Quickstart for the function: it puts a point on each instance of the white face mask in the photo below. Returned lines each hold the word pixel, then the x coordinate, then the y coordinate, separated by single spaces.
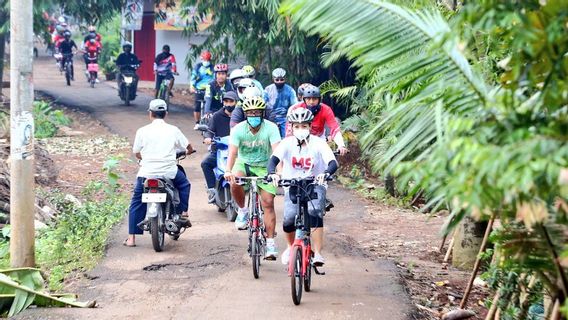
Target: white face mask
pixel 206 63
pixel 301 134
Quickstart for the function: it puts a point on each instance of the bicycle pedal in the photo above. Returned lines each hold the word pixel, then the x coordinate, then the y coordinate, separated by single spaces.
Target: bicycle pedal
pixel 320 273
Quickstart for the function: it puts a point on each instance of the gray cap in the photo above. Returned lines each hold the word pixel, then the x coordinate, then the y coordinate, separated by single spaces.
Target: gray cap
pixel 230 95
pixel 158 105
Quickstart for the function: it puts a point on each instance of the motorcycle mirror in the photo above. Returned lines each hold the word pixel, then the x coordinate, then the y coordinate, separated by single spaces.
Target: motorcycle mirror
pixel 202 127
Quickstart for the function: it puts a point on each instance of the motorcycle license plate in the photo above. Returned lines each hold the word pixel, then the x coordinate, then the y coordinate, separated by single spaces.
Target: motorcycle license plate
pixel 128 80
pixel 153 197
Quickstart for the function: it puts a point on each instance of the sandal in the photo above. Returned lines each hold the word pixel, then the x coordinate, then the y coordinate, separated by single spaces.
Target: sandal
pixel 125 243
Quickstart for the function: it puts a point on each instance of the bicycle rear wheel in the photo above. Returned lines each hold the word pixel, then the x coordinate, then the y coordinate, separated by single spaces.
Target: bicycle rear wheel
pixel 296 279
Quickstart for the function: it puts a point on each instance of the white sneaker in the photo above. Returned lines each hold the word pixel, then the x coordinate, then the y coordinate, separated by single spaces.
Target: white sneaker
pixel 271 249
pixel 241 221
pixel 97 80
pixel 285 258
pixel 318 260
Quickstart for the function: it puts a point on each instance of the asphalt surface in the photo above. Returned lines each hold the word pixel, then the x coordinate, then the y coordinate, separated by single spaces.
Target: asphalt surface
pixel 207 274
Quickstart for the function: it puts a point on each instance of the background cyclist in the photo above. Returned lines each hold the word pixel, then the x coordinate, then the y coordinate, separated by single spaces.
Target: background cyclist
pixel 323 117
pixel 201 75
pixel 216 88
pixel 279 97
pixel 165 68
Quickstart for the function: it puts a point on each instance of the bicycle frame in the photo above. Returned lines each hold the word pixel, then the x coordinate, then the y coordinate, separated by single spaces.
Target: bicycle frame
pixel 303 228
pixel 256 214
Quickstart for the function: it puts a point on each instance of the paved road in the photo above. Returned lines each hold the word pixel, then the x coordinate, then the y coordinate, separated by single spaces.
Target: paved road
pixel 207 273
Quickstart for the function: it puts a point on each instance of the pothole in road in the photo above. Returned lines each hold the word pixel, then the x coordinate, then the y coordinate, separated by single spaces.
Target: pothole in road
pixel 214 259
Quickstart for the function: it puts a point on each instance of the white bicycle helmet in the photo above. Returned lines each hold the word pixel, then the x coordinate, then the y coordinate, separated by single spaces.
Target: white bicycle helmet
pixel 242 85
pixel 300 115
pixel 251 92
pixel 278 73
pixel 235 76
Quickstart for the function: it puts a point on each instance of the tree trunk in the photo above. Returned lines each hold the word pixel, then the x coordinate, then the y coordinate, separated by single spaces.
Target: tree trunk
pixel 2 54
pixel 3 17
pixel 467 242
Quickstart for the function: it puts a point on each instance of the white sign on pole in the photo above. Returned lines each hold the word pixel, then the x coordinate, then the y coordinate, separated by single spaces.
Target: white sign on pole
pixel 22 126
pixel 132 14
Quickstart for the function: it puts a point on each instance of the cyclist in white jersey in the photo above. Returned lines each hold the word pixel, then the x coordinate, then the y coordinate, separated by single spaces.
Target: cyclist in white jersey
pixel 303 155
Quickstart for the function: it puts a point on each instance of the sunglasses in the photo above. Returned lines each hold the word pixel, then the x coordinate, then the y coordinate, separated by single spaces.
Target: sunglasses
pixel 279 79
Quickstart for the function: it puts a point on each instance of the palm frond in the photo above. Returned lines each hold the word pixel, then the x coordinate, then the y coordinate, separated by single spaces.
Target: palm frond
pixel 417 57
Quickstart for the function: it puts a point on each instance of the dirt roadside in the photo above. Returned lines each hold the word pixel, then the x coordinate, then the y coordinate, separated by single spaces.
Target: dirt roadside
pixel 207 273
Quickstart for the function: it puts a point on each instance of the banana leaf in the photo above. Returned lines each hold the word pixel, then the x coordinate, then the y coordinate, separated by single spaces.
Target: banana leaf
pixel 21 287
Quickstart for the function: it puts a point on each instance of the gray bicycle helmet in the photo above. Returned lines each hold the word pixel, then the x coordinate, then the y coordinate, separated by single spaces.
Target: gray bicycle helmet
pixel 311 92
pixel 302 87
pixel 300 115
pixel 278 73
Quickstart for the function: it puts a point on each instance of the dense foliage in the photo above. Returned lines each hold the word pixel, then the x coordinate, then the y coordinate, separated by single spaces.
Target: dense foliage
pixel 257 32
pixel 487 141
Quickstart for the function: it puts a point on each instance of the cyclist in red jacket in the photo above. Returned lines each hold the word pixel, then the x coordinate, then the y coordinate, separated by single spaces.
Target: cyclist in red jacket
pixel 323 116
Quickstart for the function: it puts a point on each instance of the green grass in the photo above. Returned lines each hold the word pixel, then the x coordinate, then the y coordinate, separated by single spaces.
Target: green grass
pixel 75 241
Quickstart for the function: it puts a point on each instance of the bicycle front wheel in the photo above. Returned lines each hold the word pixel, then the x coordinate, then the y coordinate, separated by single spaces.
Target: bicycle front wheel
pixel 255 254
pixel 296 279
pixel 308 275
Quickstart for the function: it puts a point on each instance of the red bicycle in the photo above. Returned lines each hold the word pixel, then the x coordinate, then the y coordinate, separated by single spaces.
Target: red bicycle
pixel 300 263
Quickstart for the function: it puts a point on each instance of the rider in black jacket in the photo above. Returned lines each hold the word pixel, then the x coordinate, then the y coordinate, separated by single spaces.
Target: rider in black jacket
pixel 219 127
pixel 126 61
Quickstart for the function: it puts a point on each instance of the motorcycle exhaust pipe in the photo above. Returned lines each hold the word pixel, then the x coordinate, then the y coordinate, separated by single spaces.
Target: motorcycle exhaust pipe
pixel 171 226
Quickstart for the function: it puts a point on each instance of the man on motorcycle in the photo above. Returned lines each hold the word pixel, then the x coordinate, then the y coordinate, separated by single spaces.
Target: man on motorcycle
pixel 92 51
pixel 92 34
pixel 201 75
pixel 156 145
pixel 323 116
pixel 279 97
pixel 216 88
pixel 164 68
pixel 218 127
pixel 303 155
pixel 126 62
pixel 250 146
pixel 66 49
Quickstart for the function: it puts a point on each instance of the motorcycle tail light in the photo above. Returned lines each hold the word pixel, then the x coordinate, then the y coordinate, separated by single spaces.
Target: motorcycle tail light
pixel 152 183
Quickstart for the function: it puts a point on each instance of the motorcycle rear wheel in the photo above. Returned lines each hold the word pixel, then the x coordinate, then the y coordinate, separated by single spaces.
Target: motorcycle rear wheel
pixel 157 234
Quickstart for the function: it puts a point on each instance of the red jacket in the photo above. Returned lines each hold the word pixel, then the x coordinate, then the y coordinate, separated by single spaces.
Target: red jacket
pixel 92 48
pixel 324 117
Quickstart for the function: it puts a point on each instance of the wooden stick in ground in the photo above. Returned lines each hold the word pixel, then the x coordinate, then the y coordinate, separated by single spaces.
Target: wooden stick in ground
pixel 556 310
pixel 463 302
pixel 443 242
pixel 450 246
pixel 493 309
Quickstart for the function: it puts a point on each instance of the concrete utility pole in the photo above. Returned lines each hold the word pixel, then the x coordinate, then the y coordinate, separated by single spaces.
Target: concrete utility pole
pixel 22 193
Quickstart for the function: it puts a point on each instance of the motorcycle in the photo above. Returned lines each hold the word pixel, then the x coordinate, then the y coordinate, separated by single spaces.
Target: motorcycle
pixel 92 68
pixel 128 84
pixel 223 198
pixel 162 199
